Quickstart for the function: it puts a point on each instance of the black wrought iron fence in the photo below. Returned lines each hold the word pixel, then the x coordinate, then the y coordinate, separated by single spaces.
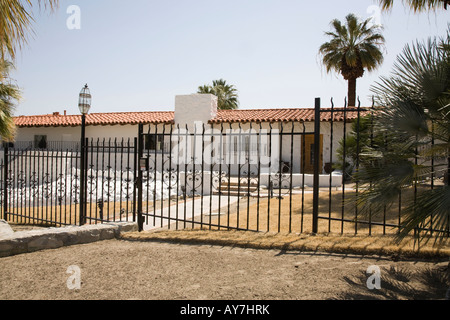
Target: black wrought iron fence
pixel 294 176
pixel 359 150
pixel 219 176
pixel 43 186
pixel 44 145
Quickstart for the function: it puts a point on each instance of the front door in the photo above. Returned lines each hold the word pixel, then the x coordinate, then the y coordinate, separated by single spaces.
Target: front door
pixel 308 155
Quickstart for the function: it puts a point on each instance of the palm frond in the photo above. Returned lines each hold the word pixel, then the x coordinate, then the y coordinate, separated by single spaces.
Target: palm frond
pixel 429 211
pixel 16 24
pixel 348 42
pixel 416 5
pixel 9 94
pixel 413 116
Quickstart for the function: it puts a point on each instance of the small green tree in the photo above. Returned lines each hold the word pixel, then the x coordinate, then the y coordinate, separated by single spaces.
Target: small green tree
pixel 360 140
pixel 349 147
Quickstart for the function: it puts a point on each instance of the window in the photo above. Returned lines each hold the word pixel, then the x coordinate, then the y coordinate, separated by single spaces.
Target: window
pixel 40 142
pixel 154 142
pixel 246 144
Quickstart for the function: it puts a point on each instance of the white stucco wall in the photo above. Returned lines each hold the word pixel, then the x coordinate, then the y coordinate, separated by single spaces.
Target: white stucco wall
pixel 74 133
pixel 193 108
pixel 129 132
pixel 52 133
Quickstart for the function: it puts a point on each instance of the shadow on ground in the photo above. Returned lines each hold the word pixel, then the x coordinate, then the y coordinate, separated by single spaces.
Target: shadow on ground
pixel 401 284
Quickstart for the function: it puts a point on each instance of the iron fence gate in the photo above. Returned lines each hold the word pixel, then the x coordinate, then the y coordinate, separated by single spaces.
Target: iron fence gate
pixel 219 177
pixel 241 176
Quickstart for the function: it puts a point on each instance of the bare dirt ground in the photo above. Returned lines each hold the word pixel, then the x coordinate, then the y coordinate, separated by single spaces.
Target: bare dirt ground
pixel 164 270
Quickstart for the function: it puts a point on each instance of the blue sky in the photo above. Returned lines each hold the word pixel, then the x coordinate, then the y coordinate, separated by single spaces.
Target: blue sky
pixel 137 55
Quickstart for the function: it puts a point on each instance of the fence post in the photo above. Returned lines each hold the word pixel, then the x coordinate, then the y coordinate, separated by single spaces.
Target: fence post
pixel 316 166
pixel 135 175
pixel 5 181
pixel 139 179
pixel 83 180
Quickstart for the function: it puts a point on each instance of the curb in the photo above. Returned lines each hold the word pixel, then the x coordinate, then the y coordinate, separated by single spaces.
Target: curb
pixel 53 238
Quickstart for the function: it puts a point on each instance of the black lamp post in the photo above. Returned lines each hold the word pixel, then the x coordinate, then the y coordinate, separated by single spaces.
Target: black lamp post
pixel 84 104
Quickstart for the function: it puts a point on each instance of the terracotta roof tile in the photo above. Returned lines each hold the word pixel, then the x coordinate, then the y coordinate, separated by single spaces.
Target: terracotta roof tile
pixel 228 116
pixel 284 115
pixel 261 115
pixel 94 119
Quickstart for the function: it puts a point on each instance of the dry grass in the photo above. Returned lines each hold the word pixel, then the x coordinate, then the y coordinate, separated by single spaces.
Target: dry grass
pixel 68 214
pixel 286 224
pixel 336 243
pixel 283 223
pixel 293 214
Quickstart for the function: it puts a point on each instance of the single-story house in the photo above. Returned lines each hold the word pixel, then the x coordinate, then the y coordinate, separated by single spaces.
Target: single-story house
pixel 290 129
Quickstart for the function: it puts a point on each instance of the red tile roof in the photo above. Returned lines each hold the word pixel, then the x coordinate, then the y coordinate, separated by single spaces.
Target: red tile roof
pixel 281 115
pixel 228 116
pixel 94 119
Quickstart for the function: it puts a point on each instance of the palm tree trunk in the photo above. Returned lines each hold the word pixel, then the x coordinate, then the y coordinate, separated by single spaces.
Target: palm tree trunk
pixel 352 92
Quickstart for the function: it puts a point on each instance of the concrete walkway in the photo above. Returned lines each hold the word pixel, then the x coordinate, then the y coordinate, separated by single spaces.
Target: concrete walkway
pixel 193 209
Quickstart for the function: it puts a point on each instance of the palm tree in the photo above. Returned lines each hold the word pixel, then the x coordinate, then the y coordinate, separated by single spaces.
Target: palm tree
pixel 354 48
pixel 226 94
pixel 8 93
pixel 16 23
pixel 414 117
pixel 417 5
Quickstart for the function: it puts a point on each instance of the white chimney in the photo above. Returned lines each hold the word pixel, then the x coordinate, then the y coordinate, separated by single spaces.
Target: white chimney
pixel 195 108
